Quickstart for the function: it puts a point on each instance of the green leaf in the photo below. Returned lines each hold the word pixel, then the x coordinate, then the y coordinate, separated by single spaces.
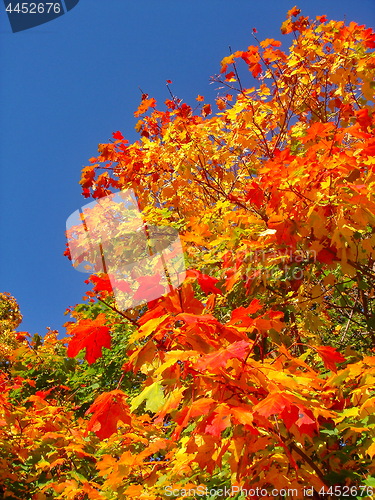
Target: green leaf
pixel 370 481
pixel 153 394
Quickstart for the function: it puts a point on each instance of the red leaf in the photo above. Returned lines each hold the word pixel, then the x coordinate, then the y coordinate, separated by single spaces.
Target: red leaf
pixel 102 283
pixel 193 319
pixel 118 135
pixel 149 288
pixel 293 12
pixel 363 118
pixel 273 404
pixel 219 358
pixel 255 194
pixel 317 130
pixel 255 69
pixel 327 255
pixel 87 177
pixel 91 335
pixel 330 356
pixel 241 314
pixel 219 421
pixel 369 38
pixel 108 409
pixel 206 110
pixel 301 417
pixel 306 423
pixel 290 416
pixel 121 285
pixel 207 283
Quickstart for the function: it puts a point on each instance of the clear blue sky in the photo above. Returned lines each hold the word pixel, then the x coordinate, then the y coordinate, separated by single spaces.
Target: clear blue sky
pixel 65 86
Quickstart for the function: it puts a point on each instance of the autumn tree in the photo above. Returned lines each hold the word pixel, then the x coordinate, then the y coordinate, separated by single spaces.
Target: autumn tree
pixel 257 370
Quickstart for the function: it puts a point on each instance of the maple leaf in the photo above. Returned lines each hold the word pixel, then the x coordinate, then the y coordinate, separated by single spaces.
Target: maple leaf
pixel 363 118
pixel 218 421
pixel 118 136
pixel 206 110
pixel 306 423
pixel 243 415
pixel 273 404
pixel 330 357
pixel 219 359
pixel 193 319
pixel 149 288
pixel 301 417
pixel 293 12
pixel 201 406
pixel 230 76
pixel 255 194
pixel 91 335
pixel 270 41
pixel 102 284
pixel 241 314
pixel 206 282
pixel 107 410
pixel 327 255
pixel 121 285
pixel 87 177
pixel 153 394
pixel 145 105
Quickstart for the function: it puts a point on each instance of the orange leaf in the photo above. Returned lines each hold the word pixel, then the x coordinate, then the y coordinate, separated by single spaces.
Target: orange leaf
pixel 206 110
pixel 330 356
pixel 108 409
pixel 219 421
pixel 91 335
pixel 293 12
pixel 219 358
pixel 241 314
pixel 273 404
pixel 145 105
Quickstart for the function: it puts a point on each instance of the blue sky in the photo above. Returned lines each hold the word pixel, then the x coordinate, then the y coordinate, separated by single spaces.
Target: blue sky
pixel 65 86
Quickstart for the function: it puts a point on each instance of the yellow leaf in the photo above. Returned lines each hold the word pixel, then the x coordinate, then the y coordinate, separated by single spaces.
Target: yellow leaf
pixel 153 394
pixel 371 450
pixel 147 328
pixel 134 491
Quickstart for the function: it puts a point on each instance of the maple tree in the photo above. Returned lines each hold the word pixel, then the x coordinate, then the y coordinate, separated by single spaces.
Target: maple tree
pixel 257 371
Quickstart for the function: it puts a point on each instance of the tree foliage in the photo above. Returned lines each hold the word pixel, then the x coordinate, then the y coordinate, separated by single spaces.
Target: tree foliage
pixel 258 371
